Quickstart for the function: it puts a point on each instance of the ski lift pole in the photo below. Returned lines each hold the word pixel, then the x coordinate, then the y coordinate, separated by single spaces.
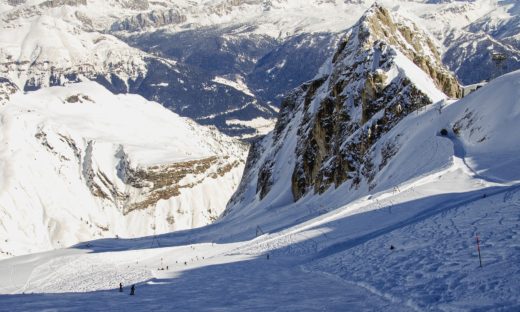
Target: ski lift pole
pixel 478 249
pixel 259 230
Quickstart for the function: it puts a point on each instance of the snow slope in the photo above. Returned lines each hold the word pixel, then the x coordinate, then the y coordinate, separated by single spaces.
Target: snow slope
pixel 329 252
pixel 78 163
pixel 326 252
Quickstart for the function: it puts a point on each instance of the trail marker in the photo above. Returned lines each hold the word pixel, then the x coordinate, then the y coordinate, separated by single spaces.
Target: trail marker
pixel 259 231
pixel 478 249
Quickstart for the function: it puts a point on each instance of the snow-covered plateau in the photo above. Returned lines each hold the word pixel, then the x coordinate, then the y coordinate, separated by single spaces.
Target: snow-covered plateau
pixel 79 162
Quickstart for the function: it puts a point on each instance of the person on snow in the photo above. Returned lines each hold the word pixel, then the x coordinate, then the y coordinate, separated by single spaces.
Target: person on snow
pixel 120 287
pixel 132 290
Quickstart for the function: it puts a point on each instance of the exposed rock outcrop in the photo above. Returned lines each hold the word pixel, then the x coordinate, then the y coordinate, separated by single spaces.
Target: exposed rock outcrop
pixel 6 89
pixel 165 181
pixel 93 164
pixel 57 3
pixel 150 19
pixel 359 102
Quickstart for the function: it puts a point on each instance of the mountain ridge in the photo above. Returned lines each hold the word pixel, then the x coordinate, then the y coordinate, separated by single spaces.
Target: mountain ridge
pixel 329 128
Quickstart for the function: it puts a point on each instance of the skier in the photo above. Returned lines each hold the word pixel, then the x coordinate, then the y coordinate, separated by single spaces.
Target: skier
pixel 267 256
pixel 120 287
pixel 132 290
pixel 392 247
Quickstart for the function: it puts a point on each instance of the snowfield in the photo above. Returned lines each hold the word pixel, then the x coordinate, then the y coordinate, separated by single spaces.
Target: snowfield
pixel 329 252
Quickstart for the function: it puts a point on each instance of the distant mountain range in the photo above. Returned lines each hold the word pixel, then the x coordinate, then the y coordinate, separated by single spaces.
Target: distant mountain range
pixel 227 63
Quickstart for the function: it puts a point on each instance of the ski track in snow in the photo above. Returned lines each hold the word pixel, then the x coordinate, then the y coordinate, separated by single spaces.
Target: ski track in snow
pixel 307 278
pixel 334 261
pixel 444 252
pixel 307 271
pixel 249 286
pixel 329 260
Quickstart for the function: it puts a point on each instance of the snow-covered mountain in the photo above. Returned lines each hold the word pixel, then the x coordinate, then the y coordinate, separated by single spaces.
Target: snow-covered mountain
pixel 227 63
pixel 331 129
pixel 78 163
pixel 53 42
pixel 409 247
pixel 471 32
pixel 371 194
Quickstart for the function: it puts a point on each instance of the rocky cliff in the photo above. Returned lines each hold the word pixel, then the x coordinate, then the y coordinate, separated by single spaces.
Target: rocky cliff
pixel 384 69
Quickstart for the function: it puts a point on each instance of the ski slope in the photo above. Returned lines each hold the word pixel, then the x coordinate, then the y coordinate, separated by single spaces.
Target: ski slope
pixel 329 252
pixel 302 273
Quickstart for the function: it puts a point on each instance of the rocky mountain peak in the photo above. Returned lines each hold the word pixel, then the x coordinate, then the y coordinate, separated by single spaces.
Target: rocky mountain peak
pixel 384 69
pixel 379 25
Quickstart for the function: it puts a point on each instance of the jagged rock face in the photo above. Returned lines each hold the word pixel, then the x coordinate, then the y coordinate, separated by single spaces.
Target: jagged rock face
pixel 374 80
pixel 6 89
pixel 412 42
pixel 149 19
pixel 57 3
pixel 159 182
pixel 135 187
pixel 359 102
pixel 345 114
pixel 254 157
pixel 119 75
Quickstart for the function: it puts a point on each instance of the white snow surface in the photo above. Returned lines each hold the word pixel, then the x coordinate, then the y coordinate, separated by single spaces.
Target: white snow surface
pixel 58 141
pixel 36 42
pixel 238 84
pixel 329 252
pixel 262 125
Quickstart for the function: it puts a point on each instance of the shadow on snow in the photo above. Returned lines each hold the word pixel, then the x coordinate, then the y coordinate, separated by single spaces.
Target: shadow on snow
pixel 256 284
